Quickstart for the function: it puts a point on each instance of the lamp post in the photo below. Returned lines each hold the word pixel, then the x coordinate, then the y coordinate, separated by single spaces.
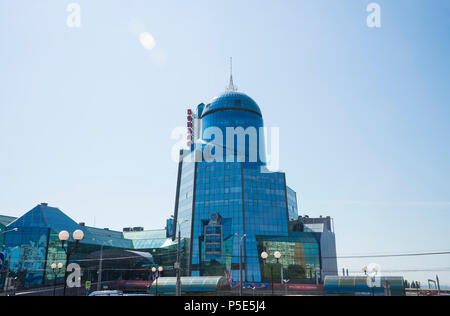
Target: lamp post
pixel 365 269
pixel 371 276
pixel 63 236
pixel 374 275
pixel 160 270
pixel 277 256
pixel 240 262
pixel 56 268
pixel 177 265
pixel 264 256
pixel 100 267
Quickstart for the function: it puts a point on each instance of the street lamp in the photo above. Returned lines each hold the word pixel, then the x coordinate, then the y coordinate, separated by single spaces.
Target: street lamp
pixel 63 236
pixel 8 231
pixel 100 266
pixel 240 262
pixel 365 269
pixel 277 256
pixel 160 270
pixel 371 272
pixel 264 256
pixel 177 265
pixel 375 270
pixel 56 268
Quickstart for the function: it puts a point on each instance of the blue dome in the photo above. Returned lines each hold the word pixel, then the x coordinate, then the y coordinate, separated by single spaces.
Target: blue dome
pixel 232 100
pixel 238 111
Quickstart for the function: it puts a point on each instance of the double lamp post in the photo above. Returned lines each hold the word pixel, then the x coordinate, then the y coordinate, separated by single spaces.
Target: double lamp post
pixel 159 270
pixel 63 236
pixel 277 256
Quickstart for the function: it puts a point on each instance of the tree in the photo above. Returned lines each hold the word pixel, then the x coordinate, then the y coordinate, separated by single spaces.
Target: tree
pixel 272 269
pixel 295 271
pixel 213 268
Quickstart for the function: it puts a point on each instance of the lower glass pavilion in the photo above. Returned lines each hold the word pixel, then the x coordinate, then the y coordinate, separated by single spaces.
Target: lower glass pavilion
pixel 31 245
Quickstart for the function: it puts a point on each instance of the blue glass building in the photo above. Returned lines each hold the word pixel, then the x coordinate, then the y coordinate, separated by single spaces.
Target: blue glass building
pixel 218 202
pixel 31 245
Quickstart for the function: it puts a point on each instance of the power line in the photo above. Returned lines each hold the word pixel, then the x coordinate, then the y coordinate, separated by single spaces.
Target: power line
pixel 237 256
pixel 392 255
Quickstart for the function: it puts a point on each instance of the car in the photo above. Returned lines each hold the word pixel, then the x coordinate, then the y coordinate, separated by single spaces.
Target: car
pixel 107 293
pixel 117 293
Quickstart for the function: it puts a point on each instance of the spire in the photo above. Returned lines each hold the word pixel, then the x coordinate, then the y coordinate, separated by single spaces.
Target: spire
pixel 231 86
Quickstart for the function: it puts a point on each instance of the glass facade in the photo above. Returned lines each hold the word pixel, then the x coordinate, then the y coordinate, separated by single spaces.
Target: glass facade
pixel 300 255
pixel 243 196
pixel 218 191
pixel 183 210
pixel 266 214
pixel 358 286
pixel 236 110
pixel 34 247
pixel 292 204
pixel 221 201
pixel 4 221
pixel 26 253
pixel 192 286
pixel 245 201
pixel 233 199
pixel 27 249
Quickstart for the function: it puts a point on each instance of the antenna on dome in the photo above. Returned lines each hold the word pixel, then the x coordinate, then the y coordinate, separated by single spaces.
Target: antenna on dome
pixel 231 86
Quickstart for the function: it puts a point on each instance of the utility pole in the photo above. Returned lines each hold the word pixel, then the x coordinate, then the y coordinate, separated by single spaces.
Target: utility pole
pixel 240 239
pixel 240 268
pixel 100 267
pixel 438 285
pixel 387 288
pixel 177 265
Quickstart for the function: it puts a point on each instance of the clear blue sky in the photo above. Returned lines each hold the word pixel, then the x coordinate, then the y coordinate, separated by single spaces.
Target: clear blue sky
pixel 86 113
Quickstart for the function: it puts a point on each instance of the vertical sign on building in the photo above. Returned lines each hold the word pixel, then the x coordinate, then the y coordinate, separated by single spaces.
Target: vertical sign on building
pixel 190 128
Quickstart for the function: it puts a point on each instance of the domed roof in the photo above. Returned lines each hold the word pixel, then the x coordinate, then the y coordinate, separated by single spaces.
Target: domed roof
pixel 232 100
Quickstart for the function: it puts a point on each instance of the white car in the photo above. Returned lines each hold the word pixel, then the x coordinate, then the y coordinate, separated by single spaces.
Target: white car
pixel 115 293
pixel 106 293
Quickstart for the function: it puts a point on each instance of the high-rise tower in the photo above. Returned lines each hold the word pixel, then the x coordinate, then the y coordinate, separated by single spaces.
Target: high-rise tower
pixel 219 202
